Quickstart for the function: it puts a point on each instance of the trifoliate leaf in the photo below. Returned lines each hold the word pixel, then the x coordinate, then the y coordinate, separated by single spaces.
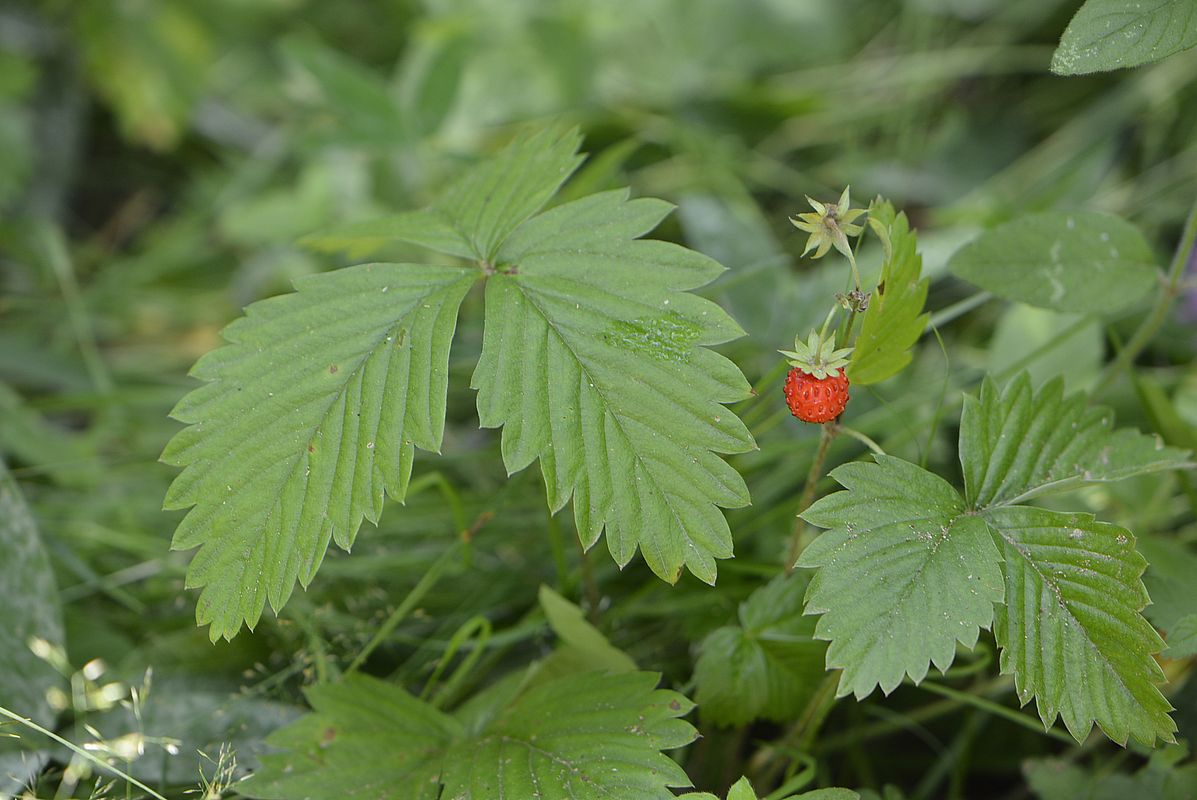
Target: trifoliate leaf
pixel 1111 34
pixel 1071 632
pixel 1083 261
pixel 1018 443
pixel 311 412
pixel 594 361
pixel 894 320
pixel 32 609
pixel 768 666
pixel 904 574
pixel 581 737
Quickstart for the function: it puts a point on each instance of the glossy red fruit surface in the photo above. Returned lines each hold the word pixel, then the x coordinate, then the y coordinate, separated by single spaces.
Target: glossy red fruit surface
pixel 816 400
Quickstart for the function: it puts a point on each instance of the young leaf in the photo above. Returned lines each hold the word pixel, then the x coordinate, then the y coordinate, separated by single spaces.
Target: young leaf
pixel 311 412
pixel 1017 444
pixel 593 361
pixel 894 320
pixel 559 740
pixel 31 609
pixel 768 666
pixel 1082 261
pixel 1111 34
pixel 1071 632
pixel 904 574
pixel 586 641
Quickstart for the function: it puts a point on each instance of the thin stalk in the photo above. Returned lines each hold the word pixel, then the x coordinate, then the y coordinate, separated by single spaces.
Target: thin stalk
pixel 860 437
pixel 997 709
pixel 426 582
pixel 958 309
pixel 1169 291
pixel 828 434
pixel 74 748
pixel 64 272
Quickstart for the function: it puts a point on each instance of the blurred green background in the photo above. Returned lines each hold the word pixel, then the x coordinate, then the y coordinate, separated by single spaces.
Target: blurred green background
pixel 160 160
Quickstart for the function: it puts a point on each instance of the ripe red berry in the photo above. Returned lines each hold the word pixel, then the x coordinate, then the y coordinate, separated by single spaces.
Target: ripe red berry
pixel 816 400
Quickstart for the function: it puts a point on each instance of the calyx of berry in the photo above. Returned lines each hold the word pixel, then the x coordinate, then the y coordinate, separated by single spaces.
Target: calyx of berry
pixel 816 356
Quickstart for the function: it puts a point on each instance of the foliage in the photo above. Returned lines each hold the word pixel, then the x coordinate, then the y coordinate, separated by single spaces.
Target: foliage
pixel 910 566
pixel 1110 34
pixel 313 412
pixel 348 173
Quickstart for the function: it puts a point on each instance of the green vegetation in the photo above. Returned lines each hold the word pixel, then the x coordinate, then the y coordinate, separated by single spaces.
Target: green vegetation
pixel 509 281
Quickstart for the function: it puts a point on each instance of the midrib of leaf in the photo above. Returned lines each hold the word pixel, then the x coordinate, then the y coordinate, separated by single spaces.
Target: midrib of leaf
pixel 1133 19
pixel 609 410
pixel 1058 664
pixel 264 432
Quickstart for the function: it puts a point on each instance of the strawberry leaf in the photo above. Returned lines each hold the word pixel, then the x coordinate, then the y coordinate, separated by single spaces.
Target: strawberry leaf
pixel 558 740
pixel 768 666
pixel 1071 632
pixel 311 412
pixel 1086 262
pixel 620 399
pixel 1017 443
pixel 903 574
pixel 1112 34
pixel 894 320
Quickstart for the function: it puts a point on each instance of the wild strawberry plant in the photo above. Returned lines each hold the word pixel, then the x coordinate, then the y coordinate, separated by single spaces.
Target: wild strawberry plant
pixel 595 361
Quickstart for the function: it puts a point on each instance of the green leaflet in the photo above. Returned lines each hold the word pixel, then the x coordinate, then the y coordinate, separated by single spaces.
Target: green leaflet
pixel 909 567
pixel 1017 443
pixel 1071 632
pixel 557 741
pixel 894 320
pixel 311 413
pixel 622 404
pixel 581 638
pixel 1082 261
pixel 1111 34
pixel 314 410
pixel 904 574
pixel 766 667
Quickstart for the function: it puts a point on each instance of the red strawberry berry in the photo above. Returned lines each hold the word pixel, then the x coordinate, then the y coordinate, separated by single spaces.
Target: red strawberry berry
pixel 814 399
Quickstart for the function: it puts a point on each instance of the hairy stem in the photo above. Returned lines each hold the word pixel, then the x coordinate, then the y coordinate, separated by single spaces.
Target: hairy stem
pixel 830 431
